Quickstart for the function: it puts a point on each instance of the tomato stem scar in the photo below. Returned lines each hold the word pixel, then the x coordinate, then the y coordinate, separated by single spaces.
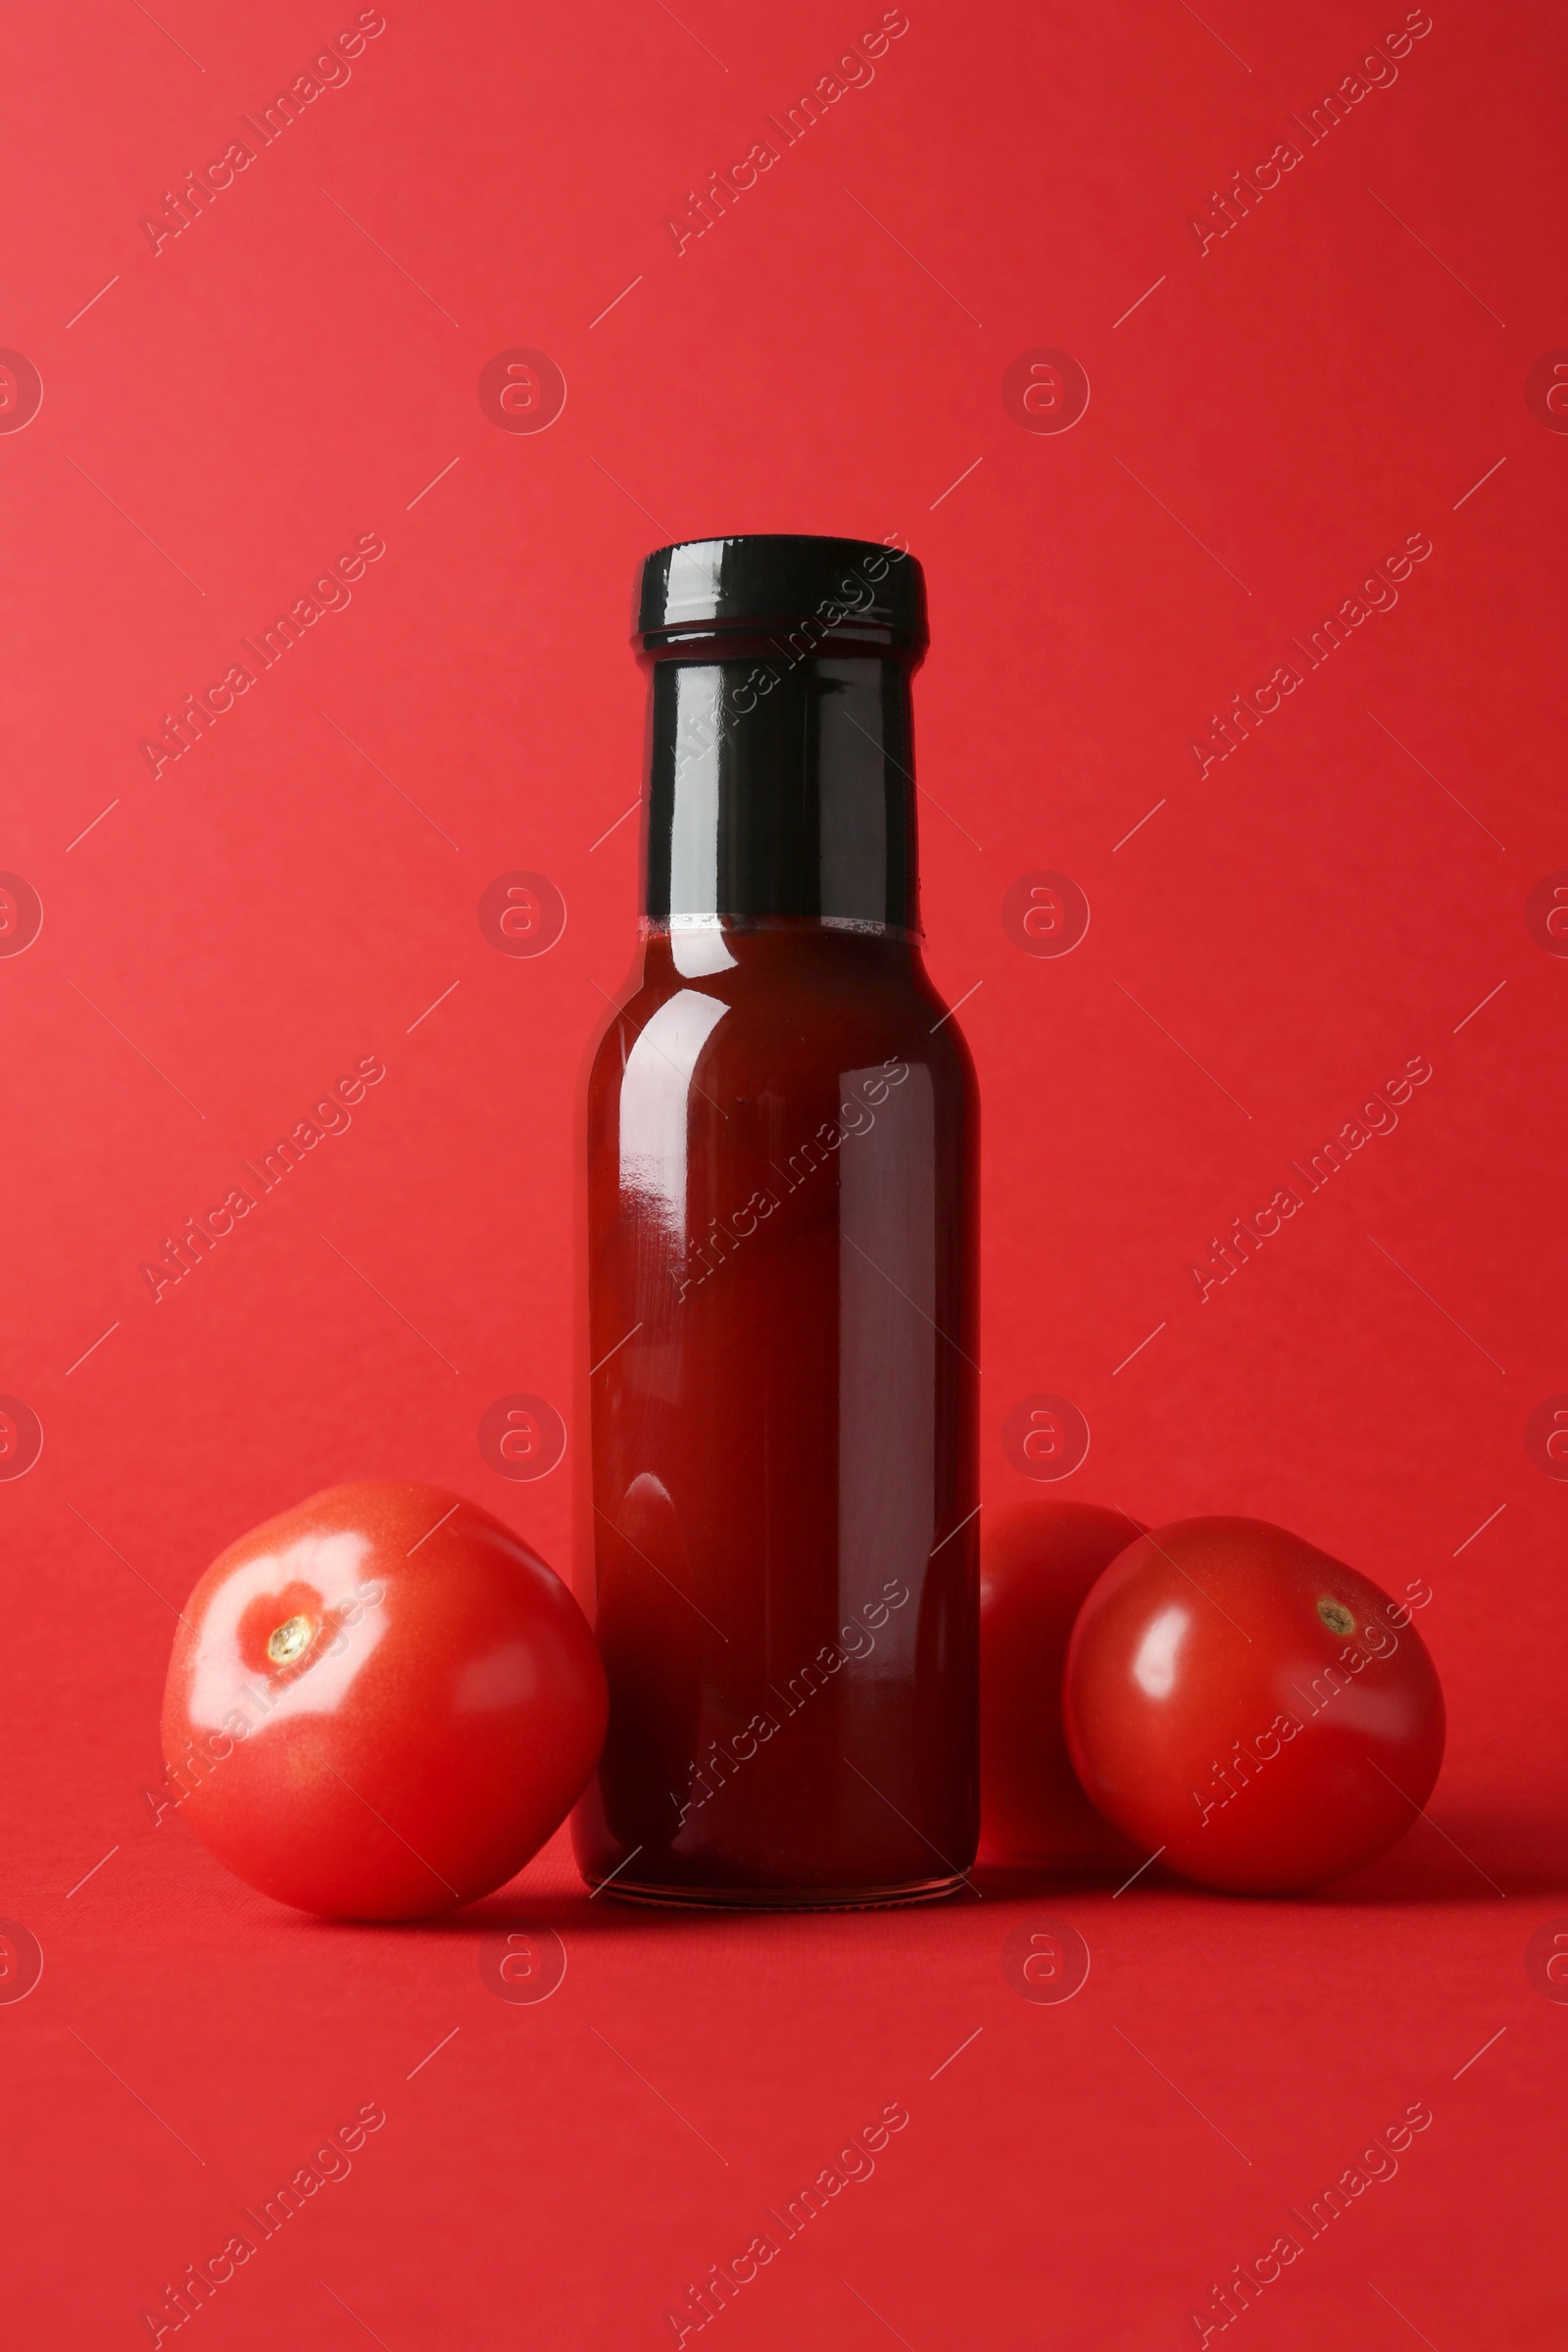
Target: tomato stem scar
pixel 292 1638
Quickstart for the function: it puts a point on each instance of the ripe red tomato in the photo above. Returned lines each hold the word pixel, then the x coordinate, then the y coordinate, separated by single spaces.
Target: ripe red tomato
pixel 1037 1562
pixel 380 1703
pixel 1259 1712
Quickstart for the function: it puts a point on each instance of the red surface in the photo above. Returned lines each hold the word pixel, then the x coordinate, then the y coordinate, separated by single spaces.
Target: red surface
pixel 1285 408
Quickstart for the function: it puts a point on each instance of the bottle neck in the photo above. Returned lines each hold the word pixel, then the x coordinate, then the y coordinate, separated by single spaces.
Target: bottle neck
pixel 781 787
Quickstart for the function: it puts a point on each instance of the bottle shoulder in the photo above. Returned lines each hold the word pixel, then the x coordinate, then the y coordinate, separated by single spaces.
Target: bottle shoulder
pixel 824 1005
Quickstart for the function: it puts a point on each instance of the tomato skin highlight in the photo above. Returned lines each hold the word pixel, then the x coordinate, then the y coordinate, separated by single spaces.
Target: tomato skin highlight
pixel 380 1703
pixel 1261 1711
pixel 1038 1560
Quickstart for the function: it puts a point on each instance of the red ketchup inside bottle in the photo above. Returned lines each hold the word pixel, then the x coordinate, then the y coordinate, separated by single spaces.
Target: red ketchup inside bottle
pixel 776 1529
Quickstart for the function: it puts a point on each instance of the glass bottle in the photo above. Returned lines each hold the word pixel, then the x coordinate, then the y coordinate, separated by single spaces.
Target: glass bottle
pixel 776 1529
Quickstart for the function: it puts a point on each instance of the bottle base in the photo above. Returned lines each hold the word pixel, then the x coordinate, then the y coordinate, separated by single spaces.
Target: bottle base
pixel 784 1899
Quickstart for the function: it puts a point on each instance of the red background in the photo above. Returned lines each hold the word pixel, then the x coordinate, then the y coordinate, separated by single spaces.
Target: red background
pixel 1280 414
